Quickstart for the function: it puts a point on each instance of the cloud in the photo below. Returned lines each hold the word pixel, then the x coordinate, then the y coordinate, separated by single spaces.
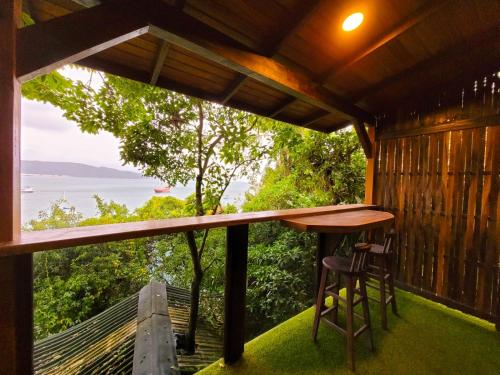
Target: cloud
pixel 46 135
pixel 42 116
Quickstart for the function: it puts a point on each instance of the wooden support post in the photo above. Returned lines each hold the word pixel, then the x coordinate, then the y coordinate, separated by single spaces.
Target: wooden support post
pixel 370 169
pixel 235 292
pixel 16 284
pixel 16 314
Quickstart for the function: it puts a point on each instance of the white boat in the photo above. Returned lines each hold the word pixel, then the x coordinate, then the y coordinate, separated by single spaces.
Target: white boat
pixel 27 189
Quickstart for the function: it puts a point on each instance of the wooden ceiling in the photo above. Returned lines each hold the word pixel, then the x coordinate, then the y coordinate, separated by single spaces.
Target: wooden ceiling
pixel 403 49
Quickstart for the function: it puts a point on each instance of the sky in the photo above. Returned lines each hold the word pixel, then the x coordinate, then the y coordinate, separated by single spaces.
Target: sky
pixel 46 135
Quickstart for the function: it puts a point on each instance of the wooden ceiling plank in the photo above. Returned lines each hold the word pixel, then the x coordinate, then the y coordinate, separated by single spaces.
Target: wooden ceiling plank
pixel 160 61
pixel 46 46
pixel 412 20
pixel 447 54
pixel 274 43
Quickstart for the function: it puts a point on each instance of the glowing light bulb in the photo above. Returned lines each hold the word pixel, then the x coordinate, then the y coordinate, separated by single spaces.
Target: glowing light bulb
pixel 353 21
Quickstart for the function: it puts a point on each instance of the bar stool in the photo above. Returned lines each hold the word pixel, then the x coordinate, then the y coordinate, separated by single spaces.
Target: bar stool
pixel 382 273
pixel 351 269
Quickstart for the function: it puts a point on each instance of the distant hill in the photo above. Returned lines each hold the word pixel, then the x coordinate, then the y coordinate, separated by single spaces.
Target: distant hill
pixel 73 169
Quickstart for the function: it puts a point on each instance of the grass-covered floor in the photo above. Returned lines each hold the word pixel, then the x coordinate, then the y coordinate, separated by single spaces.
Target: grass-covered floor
pixel 427 338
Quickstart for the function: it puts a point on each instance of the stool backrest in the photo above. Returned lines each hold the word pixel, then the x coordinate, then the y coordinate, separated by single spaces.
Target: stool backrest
pixel 359 257
pixel 390 239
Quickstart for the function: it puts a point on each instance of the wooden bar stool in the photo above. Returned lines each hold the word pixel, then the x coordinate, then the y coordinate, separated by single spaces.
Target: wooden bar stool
pixel 382 272
pixel 351 269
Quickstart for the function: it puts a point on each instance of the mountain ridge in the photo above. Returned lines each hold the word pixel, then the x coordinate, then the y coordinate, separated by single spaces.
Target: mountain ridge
pixel 56 168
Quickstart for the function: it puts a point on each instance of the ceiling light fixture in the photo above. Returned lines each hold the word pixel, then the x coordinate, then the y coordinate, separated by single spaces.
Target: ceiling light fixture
pixel 353 21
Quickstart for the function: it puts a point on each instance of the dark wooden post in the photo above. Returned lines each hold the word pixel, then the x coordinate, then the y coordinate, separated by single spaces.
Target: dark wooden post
pixel 370 169
pixel 16 297
pixel 235 292
pixel 327 245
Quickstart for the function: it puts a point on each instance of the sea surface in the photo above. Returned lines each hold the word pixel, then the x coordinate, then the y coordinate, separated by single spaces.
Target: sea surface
pixel 79 192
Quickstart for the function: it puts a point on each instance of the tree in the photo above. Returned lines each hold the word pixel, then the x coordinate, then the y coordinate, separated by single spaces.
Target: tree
pixel 169 136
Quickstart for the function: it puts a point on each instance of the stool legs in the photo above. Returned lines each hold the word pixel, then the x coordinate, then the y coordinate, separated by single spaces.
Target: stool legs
pixel 333 290
pixel 319 303
pixel 391 286
pixel 383 298
pixel 349 321
pixel 336 290
pixel 366 309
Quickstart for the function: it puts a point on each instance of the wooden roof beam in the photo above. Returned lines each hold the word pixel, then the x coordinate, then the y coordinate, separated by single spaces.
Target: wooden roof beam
pixel 274 43
pixel 46 46
pixel 414 19
pixel 191 34
pixel 159 62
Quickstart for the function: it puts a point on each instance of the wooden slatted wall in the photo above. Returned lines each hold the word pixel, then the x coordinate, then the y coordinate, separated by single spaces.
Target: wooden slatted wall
pixel 439 175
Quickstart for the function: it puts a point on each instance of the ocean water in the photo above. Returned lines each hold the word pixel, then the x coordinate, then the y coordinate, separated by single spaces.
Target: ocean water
pixel 79 193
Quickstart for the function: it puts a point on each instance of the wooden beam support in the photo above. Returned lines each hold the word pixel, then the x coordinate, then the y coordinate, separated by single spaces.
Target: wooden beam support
pixel 16 291
pixel 412 20
pixel 315 118
pixel 274 43
pixel 46 46
pixel 370 174
pixel 235 292
pixel 364 139
pixel 159 62
pixel 280 108
pixel 233 88
pixel 258 67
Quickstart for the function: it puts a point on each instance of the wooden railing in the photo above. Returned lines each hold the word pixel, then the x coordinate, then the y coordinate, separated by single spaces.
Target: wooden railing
pixel 236 251
pixel 29 242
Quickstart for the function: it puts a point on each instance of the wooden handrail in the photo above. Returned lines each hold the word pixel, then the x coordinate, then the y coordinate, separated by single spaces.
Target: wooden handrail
pixel 33 241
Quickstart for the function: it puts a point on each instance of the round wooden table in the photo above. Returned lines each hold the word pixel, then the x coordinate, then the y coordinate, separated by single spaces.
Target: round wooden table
pixel 332 228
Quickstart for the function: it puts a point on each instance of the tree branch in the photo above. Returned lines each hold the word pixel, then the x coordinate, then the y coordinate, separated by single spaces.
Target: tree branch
pixel 202 246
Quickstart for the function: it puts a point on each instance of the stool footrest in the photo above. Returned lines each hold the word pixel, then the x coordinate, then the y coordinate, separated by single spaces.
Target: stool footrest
pixel 335 295
pixel 330 287
pixel 336 327
pixel 330 309
pixel 361 330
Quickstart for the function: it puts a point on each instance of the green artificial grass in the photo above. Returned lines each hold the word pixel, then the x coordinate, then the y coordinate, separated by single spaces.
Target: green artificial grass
pixel 426 338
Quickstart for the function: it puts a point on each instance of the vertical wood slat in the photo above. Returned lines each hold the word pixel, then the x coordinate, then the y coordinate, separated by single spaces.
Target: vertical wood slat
pixel 443 189
pixel 16 291
pixel 235 292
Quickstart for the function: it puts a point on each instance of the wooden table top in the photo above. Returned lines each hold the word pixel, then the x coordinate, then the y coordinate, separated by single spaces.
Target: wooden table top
pixel 343 222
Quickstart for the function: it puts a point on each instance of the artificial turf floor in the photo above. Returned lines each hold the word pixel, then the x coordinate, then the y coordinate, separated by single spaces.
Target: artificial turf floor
pixel 426 338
